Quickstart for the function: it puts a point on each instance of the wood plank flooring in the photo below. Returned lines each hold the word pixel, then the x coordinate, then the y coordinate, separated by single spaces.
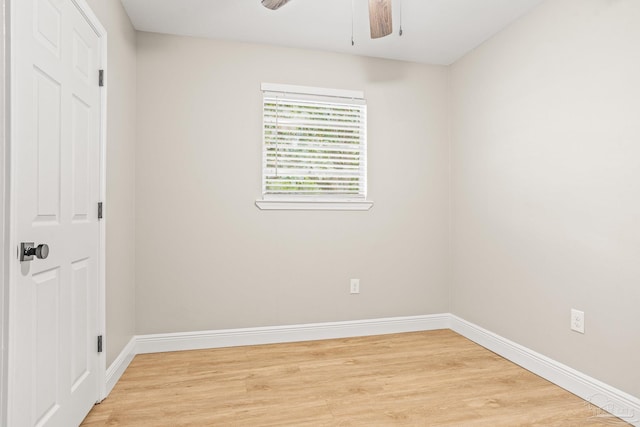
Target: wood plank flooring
pixel 435 378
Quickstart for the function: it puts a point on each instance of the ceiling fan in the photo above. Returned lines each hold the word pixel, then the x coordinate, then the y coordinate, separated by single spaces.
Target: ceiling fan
pixel 380 21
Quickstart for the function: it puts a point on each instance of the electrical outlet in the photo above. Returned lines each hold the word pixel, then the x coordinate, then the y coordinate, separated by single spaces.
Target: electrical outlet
pixel 577 320
pixel 355 286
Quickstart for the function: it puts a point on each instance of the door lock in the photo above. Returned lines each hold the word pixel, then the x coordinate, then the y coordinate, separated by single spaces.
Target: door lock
pixel 28 250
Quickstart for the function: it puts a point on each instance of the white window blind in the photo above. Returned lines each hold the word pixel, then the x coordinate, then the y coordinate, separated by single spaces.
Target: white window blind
pixel 314 143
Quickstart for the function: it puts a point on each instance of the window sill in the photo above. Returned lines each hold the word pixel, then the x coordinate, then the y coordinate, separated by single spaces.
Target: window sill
pixel 314 205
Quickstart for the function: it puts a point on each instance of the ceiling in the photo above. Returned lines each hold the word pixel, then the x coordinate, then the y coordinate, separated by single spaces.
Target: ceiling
pixel 434 31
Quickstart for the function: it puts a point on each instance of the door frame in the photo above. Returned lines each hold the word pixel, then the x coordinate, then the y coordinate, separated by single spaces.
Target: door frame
pixel 8 264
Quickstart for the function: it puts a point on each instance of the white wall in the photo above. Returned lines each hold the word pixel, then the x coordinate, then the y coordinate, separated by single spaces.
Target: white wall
pixel 546 185
pixel 120 202
pixel 207 258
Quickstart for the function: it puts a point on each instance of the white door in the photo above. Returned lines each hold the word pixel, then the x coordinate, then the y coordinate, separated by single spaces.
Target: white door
pixel 56 111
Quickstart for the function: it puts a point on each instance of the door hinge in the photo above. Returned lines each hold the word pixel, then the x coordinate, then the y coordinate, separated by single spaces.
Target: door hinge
pixel 101 78
pixel 99 343
pixel 99 210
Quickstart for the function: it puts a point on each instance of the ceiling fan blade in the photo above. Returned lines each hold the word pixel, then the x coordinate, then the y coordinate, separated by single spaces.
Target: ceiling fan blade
pixel 274 4
pixel 380 18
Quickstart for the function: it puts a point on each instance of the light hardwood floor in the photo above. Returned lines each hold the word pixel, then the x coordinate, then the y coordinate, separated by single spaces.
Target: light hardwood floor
pixel 435 378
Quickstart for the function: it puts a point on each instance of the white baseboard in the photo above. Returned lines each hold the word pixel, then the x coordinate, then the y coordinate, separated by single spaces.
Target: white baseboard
pixel 612 400
pixel 119 365
pixel 156 343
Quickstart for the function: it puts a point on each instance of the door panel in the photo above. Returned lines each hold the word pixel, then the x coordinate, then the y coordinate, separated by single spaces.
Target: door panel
pixel 47 19
pixel 47 336
pixel 80 302
pixel 80 135
pixel 56 171
pixel 47 103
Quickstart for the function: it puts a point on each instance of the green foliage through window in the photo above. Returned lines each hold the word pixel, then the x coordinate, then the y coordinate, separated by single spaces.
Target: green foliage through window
pixel 314 147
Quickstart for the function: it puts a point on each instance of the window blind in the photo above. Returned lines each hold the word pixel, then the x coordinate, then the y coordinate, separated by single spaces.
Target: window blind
pixel 314 144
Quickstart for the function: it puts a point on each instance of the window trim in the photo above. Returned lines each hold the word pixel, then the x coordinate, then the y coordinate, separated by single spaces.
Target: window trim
pixel 313 205
pixel 318 202
pixel 310 90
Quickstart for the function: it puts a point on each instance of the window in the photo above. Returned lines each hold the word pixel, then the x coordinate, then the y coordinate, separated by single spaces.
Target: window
pixel 314 149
